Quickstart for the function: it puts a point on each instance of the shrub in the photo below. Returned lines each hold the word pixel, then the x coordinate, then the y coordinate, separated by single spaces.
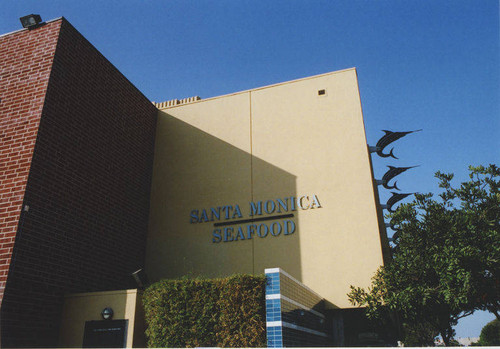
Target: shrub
pixel 227 312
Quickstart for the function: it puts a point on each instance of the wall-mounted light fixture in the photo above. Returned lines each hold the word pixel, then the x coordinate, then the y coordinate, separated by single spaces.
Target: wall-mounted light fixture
pixel 107 313
pixel 31 21
pixel 140 278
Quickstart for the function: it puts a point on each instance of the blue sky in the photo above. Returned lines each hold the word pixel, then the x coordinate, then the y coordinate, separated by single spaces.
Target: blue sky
pixel 431 65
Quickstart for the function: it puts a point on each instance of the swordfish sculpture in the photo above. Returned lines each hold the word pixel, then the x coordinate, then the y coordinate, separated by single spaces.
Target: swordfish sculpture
pixel 390 174
pixel 393 199
pixel 387 139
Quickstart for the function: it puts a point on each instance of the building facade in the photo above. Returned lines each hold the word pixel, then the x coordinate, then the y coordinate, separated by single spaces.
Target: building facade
pixel 288 161
pixel 97 182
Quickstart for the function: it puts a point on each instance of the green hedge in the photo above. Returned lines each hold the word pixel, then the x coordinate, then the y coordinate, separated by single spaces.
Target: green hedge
pixel 227 312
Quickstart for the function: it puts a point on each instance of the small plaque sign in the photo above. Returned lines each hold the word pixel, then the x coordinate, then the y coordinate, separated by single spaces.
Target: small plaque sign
pixel 105 334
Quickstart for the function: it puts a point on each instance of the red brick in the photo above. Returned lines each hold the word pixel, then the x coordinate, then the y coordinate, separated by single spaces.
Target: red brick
pixel 17 65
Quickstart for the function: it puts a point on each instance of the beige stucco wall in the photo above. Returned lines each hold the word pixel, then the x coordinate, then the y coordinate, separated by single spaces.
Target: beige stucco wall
pixel 81 307
pixel 274 142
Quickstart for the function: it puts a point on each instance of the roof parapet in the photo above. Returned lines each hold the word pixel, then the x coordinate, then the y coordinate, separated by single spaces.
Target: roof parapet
pixel 175 102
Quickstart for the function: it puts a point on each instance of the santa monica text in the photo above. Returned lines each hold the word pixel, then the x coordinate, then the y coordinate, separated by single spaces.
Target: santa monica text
pixel 257 211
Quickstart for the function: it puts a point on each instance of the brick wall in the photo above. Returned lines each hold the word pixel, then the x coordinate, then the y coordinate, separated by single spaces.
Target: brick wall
pixel 25 64
pixel 87 193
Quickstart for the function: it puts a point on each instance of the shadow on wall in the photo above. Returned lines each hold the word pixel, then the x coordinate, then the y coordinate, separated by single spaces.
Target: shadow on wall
pixel 217 210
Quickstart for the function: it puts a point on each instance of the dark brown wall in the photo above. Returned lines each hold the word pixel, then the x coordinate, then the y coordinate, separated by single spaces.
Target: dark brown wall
pixel 87 192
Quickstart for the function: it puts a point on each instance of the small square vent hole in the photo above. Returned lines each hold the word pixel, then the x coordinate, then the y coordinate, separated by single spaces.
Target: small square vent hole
pixel 321 92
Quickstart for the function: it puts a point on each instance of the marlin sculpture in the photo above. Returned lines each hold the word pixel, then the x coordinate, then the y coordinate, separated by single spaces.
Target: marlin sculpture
pixel 396 229
pixel 393 199
pixel 390 174
pixel 391 225
pixel 387 139
pixel 395 236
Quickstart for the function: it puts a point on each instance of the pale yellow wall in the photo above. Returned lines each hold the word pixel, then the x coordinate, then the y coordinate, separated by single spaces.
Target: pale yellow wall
pixel 268 143
pixel 194 169
pixel 82 307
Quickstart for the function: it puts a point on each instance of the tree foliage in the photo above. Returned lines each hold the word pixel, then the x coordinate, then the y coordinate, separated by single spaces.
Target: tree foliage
pixel 445 259
pixel 490 334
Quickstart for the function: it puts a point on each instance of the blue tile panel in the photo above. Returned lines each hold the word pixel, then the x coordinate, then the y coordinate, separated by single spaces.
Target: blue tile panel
pixel 273 283
pixel 294 304
pixel 273 310
pixel 275 337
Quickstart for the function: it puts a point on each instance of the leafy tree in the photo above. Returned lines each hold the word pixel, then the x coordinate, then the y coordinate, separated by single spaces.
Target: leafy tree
pixel 446 258
pixel 490 334
pixel 421 334
pixel 479 201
